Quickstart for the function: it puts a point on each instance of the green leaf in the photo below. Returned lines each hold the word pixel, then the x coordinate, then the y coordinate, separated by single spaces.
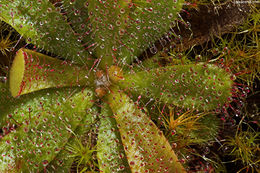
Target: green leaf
pixel 43 25
pixel 5 100
pixel 194 86
pixel 63 161
pixel 145 145
pixel 103 16
pixel 32 71
pixel 77 13
pixel 149 21
pixel 44 122
pixel 124 29
pixel 110 151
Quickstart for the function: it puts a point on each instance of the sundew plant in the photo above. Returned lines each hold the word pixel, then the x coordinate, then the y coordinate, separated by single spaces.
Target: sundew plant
pixel 78 98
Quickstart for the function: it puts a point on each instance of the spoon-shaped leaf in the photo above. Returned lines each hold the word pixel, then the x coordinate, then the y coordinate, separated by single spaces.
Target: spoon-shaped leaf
pixel 108 19
pixel 200 86
pixel 43 25
pixel 32 71
pixel 124 29
pixel 146 147
pixel 43 126
pixel 110 151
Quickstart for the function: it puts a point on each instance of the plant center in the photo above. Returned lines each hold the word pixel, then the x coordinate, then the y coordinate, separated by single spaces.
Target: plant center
pixel 105 79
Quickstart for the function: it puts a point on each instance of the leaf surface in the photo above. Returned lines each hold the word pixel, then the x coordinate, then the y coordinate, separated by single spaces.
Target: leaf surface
pixel 110 152
pixel 77 13
pixel 43 124
pixel 146 147
pixel 32 71
pixel 63 162
pixel 194 86
pixel 43 25
pixel 124 29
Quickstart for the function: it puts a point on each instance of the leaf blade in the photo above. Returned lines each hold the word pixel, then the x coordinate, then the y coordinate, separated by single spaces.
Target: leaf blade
pixel 43 25
pixel 144 144
pixel 32 71
pixel 124 29
pixel 193 86
pixel 44 127
pixel 64 160
pixel 110 151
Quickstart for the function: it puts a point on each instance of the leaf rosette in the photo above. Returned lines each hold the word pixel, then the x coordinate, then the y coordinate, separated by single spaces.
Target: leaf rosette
pixel 48 100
